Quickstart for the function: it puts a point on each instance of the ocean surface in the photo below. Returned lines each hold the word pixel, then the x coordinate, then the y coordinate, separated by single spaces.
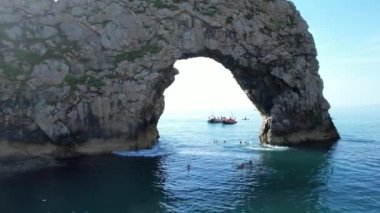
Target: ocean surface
pixel 195 168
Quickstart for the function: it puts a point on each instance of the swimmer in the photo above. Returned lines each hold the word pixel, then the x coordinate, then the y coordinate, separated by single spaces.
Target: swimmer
pixel 248 165
pixel 240 166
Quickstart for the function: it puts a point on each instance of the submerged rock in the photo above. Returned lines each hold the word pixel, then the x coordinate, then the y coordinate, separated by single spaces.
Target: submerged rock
pixel 90 75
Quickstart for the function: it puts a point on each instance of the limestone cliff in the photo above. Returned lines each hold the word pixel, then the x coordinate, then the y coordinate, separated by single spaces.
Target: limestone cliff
pixel 89 75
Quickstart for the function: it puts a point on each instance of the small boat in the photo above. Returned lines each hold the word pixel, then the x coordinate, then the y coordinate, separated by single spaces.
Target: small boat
pixel 230 120
pixel 245 119
pixel 214 120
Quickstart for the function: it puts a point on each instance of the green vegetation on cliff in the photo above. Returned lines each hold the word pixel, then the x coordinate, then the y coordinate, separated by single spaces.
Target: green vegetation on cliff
pixel 88 80
pixel 132 55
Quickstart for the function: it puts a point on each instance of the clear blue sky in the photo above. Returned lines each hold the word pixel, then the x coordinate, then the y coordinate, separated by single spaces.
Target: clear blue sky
pixel 347 36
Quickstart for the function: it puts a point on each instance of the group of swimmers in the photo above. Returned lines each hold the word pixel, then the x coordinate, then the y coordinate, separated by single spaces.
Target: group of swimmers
pixel 241 142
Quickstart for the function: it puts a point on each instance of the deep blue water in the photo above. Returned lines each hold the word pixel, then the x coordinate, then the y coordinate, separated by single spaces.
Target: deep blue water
pixel 344 177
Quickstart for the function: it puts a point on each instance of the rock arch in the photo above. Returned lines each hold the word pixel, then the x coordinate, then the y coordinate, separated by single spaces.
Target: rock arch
pixel 91 74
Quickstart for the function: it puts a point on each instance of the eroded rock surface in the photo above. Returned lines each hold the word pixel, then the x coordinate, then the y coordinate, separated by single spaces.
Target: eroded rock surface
pixel 89 75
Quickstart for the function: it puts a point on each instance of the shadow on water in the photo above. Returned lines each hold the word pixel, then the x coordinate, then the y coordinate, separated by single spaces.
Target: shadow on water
pixel 289 181
pixel 88 184
pixel 317 146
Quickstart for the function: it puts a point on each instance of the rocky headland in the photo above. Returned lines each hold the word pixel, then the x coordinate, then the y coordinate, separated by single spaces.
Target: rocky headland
pixel 88 76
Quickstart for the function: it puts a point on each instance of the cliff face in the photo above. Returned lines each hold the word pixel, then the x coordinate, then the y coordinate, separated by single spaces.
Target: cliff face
pixel 89 75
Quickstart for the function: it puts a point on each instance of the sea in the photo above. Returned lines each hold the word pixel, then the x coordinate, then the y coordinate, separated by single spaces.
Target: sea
pixel 201 167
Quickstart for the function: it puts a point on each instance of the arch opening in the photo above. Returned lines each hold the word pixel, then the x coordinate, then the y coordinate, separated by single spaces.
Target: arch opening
pixel 204 87
pixel 203 84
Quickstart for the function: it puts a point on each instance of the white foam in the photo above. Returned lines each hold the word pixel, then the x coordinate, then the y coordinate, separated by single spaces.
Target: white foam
pixel 156 151
pixel 199 152
pixel 268 147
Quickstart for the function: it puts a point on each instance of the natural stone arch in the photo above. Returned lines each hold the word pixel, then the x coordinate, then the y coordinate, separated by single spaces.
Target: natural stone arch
pixel 91 74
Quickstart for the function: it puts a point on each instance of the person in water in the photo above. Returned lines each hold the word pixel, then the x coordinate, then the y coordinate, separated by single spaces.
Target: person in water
pixel 188 167
pixel 248 165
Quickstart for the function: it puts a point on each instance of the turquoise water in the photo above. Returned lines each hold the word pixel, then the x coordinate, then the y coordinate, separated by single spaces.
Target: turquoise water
pixel 344 177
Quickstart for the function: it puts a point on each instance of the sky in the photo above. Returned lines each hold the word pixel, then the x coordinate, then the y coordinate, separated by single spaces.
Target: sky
pixel 347 37
pixel 204 84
